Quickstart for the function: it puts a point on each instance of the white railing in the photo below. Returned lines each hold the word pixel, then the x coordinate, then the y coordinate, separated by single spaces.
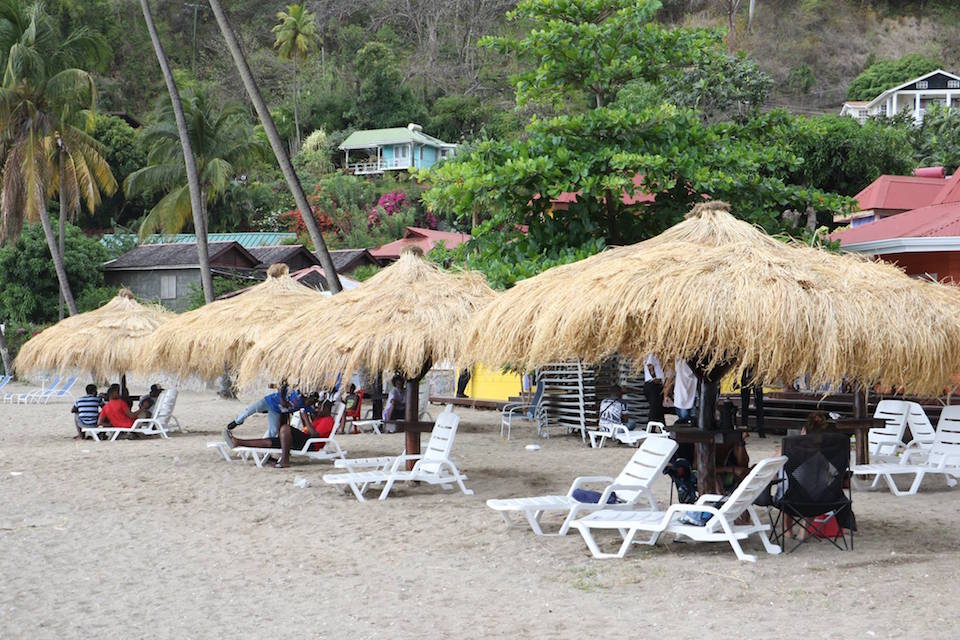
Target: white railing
pixel 379 166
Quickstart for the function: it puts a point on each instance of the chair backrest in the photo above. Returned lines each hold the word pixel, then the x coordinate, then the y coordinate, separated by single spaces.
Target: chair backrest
pixel 441 441
pixel 4 380
pixel 894 413
pixel 166 401
pixel 66 386
pixel 920 427
pixel 47 390
pixel 338 417
pixel 816 467
pixel 646 464
pixel 752 486
pixel 945 450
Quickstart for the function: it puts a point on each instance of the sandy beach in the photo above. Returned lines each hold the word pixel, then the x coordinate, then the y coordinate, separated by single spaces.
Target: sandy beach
pixel 164 539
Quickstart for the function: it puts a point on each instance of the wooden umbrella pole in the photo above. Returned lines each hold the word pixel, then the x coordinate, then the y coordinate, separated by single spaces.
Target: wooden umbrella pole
pixel 412 418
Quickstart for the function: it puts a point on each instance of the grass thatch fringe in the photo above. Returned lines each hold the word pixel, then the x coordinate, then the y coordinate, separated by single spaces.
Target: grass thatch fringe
pixel 712 288
pixel 204 341
pixel 105 341
pixel 409 313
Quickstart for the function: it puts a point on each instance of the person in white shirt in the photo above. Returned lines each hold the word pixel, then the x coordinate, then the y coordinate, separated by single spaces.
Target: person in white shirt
pixel 613 411
pixel 394 408
pixel 684 391
pixel 653 387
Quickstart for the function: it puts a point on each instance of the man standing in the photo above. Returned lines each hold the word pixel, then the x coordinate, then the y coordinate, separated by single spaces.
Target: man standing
pixel 278 407
pixel 684 391
pixel 653 387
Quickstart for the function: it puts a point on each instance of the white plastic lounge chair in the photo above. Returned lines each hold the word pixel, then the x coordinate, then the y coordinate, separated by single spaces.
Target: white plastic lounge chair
pixel 432 467
pixel 29 396
pixel 620 433
pixel 632 486
pixel 921 430
pixel 884 444
pixel 162 423
pixel 943 458
pixel 719 528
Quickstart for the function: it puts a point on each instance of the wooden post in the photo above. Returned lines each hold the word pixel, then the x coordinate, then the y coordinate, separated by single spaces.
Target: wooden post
pixel 412 418
pixel 859 406
pixel 378 396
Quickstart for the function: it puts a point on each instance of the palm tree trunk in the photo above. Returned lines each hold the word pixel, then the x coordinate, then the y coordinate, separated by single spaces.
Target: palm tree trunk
pixel 5 354
pixel 57 261
pixel 296 109
pixel 189 160
pixel 61 244
pixel 293 182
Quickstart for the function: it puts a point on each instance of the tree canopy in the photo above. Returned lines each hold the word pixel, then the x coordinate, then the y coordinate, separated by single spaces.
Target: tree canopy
pixel 886 74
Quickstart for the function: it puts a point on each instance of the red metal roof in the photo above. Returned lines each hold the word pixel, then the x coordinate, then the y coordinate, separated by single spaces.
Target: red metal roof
pixel 899 192
pixel 426 239
pixel 569 197
pixel 937 220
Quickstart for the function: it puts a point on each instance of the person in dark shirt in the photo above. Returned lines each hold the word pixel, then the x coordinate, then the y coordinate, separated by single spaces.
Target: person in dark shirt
pixel 288 437
pixel 86 410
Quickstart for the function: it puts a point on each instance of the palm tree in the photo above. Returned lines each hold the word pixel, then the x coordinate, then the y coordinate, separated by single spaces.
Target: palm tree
pixel 293 182
pixel 41 96
pixel 223 142
pixel 296 36
pixel 189 162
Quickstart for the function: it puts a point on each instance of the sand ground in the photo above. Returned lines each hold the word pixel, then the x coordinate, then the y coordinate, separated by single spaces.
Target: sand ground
pixel 162 539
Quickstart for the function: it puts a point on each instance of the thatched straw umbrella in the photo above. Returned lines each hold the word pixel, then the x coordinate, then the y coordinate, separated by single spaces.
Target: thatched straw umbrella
pixel 404 318
pixel 720 293
pixel 205 341
pixel 105 341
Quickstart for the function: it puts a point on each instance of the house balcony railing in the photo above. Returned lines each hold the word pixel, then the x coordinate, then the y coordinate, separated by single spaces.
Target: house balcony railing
pixel 379 166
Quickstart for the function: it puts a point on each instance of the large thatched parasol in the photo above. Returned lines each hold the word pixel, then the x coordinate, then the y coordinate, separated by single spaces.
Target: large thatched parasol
pixel 105 341
pixel 410 314
pixel 720 292
pixel 204 341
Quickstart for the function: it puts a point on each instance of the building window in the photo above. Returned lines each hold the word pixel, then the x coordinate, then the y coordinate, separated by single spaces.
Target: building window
pixel 168 287
pixel 922 84
pixel 403 151
pixel 953 84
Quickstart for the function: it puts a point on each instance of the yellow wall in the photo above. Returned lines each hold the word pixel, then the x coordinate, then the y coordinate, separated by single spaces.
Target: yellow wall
pixel 492 384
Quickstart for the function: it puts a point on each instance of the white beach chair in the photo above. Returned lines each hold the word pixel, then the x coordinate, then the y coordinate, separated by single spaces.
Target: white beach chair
pixel 942 458
pixel 720 527
pixel 921 430
pixel 29 396
pixel 884 444
pixel 160 424
pixel 330 450
pixel 4 381
pixel 432 467
pixel 632 486
pixel 622 434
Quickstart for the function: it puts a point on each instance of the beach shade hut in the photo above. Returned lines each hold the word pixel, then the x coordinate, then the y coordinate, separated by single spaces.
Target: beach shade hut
pixel 207 341
pixel 723 295
pixel 405 318
pixel 106 342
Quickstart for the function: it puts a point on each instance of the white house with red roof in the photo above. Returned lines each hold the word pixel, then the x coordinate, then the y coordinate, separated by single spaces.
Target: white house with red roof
pixel 924 240
pixel 914 97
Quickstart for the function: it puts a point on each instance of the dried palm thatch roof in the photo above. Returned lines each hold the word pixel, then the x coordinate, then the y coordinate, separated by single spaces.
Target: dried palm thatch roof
pixel 410 313
pixel 105 341
pixel 715 289
pixel 203 341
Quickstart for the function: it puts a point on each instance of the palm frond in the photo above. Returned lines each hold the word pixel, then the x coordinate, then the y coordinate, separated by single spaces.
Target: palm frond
pixel 170 215
pixel 154 178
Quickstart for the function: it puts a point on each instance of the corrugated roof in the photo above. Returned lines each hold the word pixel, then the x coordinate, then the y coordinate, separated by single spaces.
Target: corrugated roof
pixel 174 255
pixel 344 258
pixel 245 239
pixel 397 135
pixel 426 239
pixel 281 253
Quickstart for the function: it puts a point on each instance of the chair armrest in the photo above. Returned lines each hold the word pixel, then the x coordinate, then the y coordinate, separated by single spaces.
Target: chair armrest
pixel 689 508
pixel 642 490
pixel 709 497
pixel 582 480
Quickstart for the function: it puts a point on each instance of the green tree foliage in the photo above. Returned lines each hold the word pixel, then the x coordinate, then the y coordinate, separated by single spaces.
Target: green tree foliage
pixel 886 74
pixel 936 141
pixel 124 154
pixel 223 142
pixel 296 38
pixel 28 284
pixel 383 99
pixel 611 68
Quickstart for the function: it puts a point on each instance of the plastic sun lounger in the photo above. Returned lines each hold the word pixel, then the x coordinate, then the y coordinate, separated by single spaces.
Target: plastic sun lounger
pixel 885 444
pixel 29 396
pixel 330 450
pixel 632 485
pixel 56 394
pixel 942 458
pixel 720 527
pixel 433 467
pixel 161 424
pixel 620 433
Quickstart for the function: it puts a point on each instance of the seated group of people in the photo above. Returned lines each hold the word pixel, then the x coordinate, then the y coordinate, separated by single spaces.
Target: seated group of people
pixel 111 409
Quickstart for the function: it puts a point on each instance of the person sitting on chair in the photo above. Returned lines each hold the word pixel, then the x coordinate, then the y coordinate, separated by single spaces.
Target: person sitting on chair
pixel 116 412
pixel 149 402
pixel 289 438
pixel 613 411
pixel 86 410
pixel 278 407
pixel 351 399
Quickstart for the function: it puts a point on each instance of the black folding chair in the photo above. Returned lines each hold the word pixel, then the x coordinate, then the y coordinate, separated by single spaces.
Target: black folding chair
pixel 813 497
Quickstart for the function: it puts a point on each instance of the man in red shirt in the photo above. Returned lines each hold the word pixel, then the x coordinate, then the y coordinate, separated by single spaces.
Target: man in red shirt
pixel 116 413
pixel 290 438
